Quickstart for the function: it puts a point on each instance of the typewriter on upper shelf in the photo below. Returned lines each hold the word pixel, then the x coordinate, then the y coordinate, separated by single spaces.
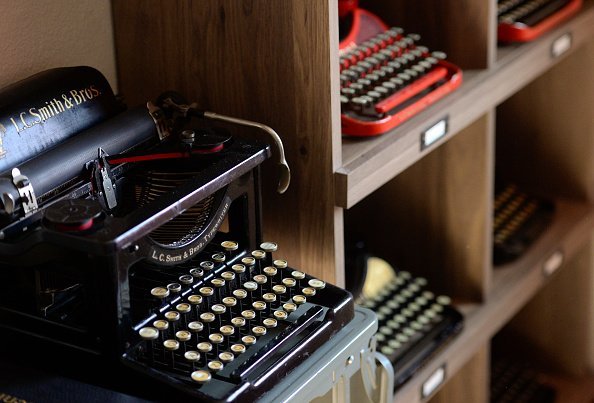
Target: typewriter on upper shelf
pixel 386 76
pixel 526 20
pixel 134 235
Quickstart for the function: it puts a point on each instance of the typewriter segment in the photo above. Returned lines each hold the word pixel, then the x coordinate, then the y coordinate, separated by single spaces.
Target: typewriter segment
pixel 387 78
pixel 518 220
pixel 526 20
pixel 217 324
pixel 414 323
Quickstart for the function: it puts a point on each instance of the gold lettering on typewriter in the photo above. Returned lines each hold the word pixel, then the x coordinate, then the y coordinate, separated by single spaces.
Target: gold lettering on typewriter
pixel 6 398
pixel 2 133
pixel 52 108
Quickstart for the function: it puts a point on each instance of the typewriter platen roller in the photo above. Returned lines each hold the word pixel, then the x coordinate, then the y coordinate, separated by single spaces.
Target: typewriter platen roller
pixel 139 239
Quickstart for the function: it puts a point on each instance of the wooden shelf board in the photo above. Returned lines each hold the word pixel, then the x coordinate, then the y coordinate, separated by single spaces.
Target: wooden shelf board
pixel 367 164
pixel 513 286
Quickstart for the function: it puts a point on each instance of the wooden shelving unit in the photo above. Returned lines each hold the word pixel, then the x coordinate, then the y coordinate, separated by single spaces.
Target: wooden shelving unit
pixel 522 114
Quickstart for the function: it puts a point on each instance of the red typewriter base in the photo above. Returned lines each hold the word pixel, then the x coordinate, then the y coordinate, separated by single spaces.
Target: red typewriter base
pixel 507 33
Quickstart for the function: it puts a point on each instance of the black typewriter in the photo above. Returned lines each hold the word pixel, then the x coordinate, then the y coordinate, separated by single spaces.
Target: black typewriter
pixel 135 236
pixel 414 323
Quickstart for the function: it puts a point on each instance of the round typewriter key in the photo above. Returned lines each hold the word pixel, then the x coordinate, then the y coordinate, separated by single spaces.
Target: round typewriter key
pixel 416 325
pixel 218 309
pixel 238 321
pixel 259 305
pixel 183 335
pixel 201 376
pixel 228 276
pixel 428 294
pixel 393 304
pixel 207 265
pixel 196 273
pixel 195 299
pixel 414 288
pixel 395 344
pixel 250 286
pixel 172 316
pixel 238 268
pixel 229 246
pixel 436 308
pixel 393 324
pixel 248 315
pixel 269 323
pixel 215 366
pixel 413 306
pixel 216 338
pixel 402 338
pixel 260 279
pixel 240 293
pixel 439 55
pixel 269 246
pixel 280 264
pixel 171 345
pixel 248 340
pixel 423 320
pixel 217 282
pixel 444 300
pixel 298 275
pixel 289 282
pixel 387 350
pixel 258 254
pixel 259 331
pixel 148 333
pixel 248 261
pixel 192 356
pixel 183 307
pixel 299 299
pixel 161 324
pixel 207 317
pixel 386 310
pixel 226 357
pixel 408 313
pixel 237 349
pixel 270 271
pixel 268 297
pixel 380 316
pixel 309 292
pixel 174 288
pixel 406 293
pixel 380 337
pixel 431 315
pixel 204 347
pixel 229 302
pixel 218 257
pixel 280 315
pixel 289 307
pixel 160 292
pixel 227 330
pixel 186 279
pixel 388 331
pixel 279 289
pixel 195 326
pixel 206 291
pixel 421 301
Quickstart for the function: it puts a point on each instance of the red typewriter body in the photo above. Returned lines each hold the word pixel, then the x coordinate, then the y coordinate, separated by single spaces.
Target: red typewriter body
pixel 524 21
pixel 409 77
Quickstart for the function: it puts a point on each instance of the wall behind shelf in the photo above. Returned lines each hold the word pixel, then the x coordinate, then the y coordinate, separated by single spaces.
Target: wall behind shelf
pixel 38 35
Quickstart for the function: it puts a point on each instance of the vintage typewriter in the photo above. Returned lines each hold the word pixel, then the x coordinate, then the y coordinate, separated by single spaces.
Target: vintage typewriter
pixel 519 219
pixel 526 20
pixel 414 322
pixel 134 236
pixel 386 76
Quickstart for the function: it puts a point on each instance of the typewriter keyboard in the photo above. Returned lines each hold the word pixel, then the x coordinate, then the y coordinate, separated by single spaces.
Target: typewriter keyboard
pixel 525 20
pixel 387 79
pixel 517 222
pixel 230 322
pixel 413 323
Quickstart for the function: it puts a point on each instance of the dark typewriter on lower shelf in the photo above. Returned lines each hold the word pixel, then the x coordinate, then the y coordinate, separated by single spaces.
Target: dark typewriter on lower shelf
pixel 519 219
pixel 414 323
pixel 526 20
pixel 138 239
pixel 386 76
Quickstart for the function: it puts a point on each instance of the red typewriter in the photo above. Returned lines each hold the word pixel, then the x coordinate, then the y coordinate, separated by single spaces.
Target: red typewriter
pixel 386 76
pixel 526 20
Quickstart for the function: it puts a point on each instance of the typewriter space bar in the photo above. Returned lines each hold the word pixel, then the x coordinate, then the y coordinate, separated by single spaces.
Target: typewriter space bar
pixel 288 335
